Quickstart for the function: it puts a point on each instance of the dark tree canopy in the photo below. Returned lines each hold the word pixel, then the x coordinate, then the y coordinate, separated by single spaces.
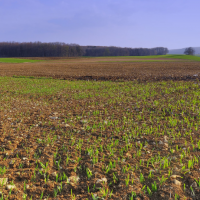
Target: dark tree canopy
pixel 189 51
pixel 118 51
pixel 38 49
pixel 57 49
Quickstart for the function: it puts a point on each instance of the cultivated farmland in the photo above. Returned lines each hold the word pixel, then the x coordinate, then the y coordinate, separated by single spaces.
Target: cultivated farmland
pixel 105 68
pixel 133 137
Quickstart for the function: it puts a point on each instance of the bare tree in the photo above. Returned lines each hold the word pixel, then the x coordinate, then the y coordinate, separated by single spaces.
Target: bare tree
pixel 189 51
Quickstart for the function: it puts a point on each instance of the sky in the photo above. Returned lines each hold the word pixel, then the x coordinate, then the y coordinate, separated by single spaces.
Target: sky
pixel 124 23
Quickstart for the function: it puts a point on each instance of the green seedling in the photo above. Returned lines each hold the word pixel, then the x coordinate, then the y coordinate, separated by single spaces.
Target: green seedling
pixel 154 186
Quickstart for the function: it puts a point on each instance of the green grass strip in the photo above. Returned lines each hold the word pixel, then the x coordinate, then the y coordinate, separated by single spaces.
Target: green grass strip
pixel 140 61
pixel 17 60
pixel 175 56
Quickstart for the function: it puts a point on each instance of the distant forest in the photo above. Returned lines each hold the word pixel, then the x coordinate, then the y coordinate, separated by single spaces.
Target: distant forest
pixel 57 49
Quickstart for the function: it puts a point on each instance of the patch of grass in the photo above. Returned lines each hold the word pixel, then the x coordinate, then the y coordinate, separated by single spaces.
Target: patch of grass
pixel 31 85
pixel 138 57
pixel 187 57
pixel 139 61
pixel 17 60
pixel 175 56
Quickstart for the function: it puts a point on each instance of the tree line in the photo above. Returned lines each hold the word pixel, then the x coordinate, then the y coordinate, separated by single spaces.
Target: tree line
pixel 38 49
pixel 57 49
pixel 118 51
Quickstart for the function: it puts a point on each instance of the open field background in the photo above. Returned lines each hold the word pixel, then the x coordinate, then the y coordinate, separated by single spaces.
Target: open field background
pixel 69 139
pixel 106 68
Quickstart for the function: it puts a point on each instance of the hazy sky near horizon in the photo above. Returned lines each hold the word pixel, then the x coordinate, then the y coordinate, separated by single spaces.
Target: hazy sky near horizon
pixel 124 23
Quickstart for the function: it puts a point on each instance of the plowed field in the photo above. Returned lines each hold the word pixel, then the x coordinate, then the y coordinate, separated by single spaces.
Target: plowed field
pixel 109 69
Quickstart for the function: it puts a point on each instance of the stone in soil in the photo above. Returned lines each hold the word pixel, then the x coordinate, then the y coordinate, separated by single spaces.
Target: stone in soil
pixel 102 180
pixel 175 176
pixel 9 187
pixel 177 182
pixel 165 139
pixel 54 174
pixel 73 179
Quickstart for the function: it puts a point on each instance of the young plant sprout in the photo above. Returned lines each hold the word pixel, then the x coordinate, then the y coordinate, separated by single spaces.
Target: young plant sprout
pixel 110 136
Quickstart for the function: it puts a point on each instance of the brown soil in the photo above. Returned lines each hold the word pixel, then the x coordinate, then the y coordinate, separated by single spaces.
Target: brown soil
pixel 90 69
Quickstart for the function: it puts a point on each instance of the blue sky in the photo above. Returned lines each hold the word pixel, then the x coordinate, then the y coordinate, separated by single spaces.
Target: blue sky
pixel 124 23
